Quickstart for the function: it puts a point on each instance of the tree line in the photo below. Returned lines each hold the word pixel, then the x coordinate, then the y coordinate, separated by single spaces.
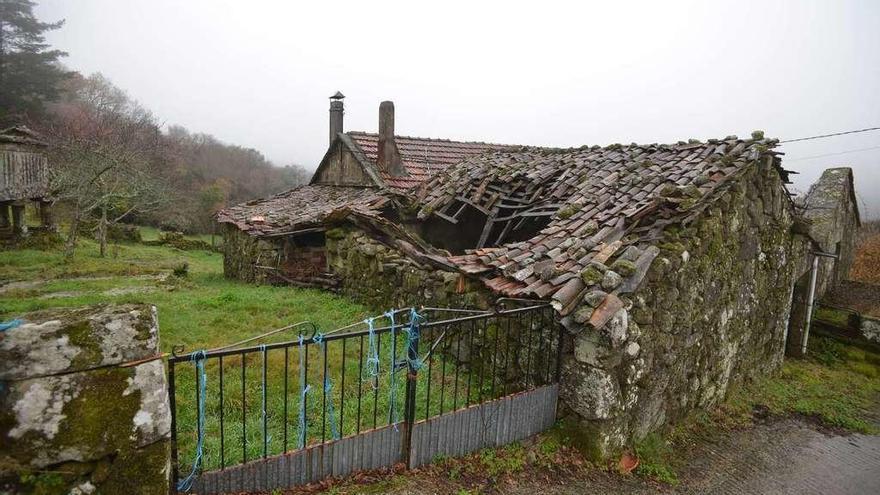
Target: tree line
pixel 111 159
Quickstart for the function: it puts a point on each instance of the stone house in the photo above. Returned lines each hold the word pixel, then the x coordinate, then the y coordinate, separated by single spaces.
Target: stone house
pixel 672 266
pixel 24 177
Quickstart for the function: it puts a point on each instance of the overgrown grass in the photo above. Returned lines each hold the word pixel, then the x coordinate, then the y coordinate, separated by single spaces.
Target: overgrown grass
pixel 832 316
pixel 152 234
pixel 204 310
pixel 837 385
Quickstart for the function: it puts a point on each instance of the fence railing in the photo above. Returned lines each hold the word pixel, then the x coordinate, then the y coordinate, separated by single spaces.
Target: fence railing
pixel 233 405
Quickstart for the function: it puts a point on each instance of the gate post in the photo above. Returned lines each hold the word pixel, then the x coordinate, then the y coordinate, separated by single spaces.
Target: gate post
pixel 172 399
pixel 409 409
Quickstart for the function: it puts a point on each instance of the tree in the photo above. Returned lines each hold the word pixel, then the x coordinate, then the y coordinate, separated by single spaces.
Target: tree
pixel 29 70
pixel 105 148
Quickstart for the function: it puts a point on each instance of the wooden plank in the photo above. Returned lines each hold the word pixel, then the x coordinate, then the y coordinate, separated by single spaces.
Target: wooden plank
pixel 490 222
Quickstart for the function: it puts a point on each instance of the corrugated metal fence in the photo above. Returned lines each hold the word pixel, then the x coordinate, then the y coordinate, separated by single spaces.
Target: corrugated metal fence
pixel 490 424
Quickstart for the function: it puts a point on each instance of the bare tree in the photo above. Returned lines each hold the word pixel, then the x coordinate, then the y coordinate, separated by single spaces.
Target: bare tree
pixel 105 147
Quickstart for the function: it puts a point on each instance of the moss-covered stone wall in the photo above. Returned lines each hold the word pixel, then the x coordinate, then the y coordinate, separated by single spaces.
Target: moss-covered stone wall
pixel 384 277
pixel 71 420
pixel 242 253
pixel 713 310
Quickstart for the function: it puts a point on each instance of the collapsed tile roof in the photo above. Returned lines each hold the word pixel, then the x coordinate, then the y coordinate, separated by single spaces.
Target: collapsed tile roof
pixel 302 207
pixel 422 157
pixel 606 203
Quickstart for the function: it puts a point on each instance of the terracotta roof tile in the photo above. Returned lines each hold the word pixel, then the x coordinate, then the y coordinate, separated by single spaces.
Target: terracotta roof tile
pixel 602 200
pixel 422 157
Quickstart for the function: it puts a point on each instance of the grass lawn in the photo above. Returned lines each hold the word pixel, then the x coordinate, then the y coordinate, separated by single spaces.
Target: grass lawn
pixel 204 310
pixel 152 234
pixel 201 310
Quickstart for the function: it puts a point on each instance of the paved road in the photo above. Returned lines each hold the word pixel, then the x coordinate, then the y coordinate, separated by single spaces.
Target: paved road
pixel 789 457
pixel 782 457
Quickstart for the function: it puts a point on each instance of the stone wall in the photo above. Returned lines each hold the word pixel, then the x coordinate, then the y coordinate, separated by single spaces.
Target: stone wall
pixel 830 206
pixel 242 252
pixel 383 277
pixel 713 310
pixel 71 421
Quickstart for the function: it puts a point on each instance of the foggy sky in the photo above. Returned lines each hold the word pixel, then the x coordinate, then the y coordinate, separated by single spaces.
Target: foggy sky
pixel 258 74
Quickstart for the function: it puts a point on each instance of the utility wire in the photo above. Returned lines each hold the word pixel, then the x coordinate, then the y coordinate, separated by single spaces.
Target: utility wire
pixel 832 154
pixel 830 135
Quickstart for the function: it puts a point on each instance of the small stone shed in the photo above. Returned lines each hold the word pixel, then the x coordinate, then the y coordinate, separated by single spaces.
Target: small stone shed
pixel 24 177
pixel 672 266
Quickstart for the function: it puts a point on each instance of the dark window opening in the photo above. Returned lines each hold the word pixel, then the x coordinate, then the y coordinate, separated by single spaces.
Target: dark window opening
pixel 305 255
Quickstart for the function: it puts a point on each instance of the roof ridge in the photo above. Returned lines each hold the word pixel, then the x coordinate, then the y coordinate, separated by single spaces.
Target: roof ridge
pixel 435 140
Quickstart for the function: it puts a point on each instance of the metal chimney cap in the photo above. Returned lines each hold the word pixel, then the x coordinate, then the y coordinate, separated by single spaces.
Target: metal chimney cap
pixel 338 96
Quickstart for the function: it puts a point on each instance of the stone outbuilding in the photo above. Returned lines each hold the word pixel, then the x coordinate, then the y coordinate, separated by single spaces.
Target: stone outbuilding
pixel 24 177
pixel 672 266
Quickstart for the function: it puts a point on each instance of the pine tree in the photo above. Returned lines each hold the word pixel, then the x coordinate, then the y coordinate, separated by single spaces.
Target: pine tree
pixel 29 69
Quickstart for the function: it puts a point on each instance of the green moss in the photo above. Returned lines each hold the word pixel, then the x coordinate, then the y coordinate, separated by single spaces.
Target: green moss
pixel 101 397
pixel 687 204
pixel 80 335
pixel 146 466
pixel 584 436
pixel 673 247
pixel 656 458
pixel 624 267
pixel 335 234
pixel 591 276
pixel 568 210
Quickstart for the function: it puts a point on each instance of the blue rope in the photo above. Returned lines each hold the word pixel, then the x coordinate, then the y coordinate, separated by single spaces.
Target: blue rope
pixel 392 414
pixel 328 387
pixel 372 352
pixel 197 357
pixel 303 390
pixel 9 325
pixel 412 335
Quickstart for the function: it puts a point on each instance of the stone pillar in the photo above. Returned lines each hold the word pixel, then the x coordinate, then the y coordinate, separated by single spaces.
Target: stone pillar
pixel 5 222
pixel 19 227
pixel 103 430
pixel 46 215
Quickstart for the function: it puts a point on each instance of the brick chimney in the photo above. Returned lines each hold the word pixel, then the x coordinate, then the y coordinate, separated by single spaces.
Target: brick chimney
pixel 388 156
pixel 336 112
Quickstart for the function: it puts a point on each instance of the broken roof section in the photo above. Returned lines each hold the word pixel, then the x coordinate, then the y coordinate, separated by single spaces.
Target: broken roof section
pixel 300 208
pixel 603 204
pixel 422 157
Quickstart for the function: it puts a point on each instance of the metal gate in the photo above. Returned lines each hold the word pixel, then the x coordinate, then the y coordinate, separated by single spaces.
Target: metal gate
pixel 406 387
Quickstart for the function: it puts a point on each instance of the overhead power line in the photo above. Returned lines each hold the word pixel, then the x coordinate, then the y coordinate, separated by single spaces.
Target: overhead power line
pixel 832 154
pixel 830 135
